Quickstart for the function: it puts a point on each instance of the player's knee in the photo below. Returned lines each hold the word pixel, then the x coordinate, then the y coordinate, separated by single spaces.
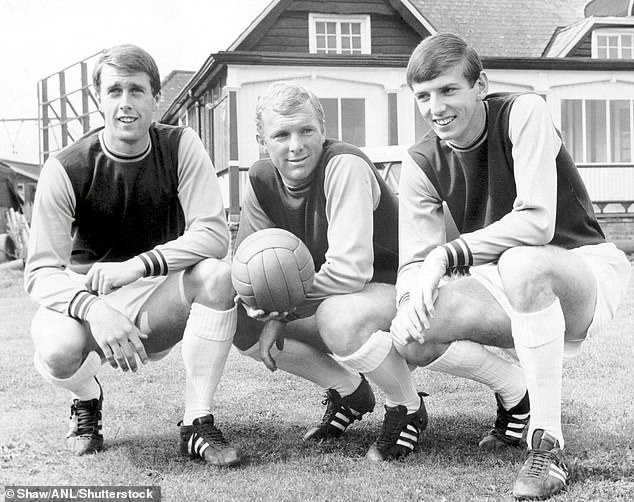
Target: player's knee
pixel 60 342
pixel 60 356
pixel 210 282
pixel 341 327
pixel 420 354
pixel 526 274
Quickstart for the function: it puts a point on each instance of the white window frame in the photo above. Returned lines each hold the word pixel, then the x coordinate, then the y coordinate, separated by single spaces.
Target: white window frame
pixel 608 133
pixel 340 120
pixel 364 20
pixel 611 32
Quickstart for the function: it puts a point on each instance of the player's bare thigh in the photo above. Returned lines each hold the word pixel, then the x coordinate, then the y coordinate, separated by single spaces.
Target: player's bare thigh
pixel 164 314
pixel 527 272
pixel 464 310
pixel 345 322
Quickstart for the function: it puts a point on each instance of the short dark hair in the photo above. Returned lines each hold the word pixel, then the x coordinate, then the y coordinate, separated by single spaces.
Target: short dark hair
pixel 129 58
pixel 285 98
pixel 437 54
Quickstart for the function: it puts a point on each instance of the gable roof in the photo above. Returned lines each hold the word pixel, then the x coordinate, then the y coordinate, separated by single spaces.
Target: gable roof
pixel 565 40
pixel 501 28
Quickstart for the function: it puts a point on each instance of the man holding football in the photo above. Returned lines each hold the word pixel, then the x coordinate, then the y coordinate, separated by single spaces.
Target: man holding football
pixel 329 194
pixel 542 278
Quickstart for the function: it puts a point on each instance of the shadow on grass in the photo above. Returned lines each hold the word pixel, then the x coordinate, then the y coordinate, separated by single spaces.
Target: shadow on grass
pixel 448 439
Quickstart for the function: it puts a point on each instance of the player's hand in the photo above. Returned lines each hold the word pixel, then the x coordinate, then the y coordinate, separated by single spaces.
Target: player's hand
pixel 118 338
pixel 273 333
pixel 406 326
pixel 103 278
pixel 259 314
pixel 425 290
pixel 414 316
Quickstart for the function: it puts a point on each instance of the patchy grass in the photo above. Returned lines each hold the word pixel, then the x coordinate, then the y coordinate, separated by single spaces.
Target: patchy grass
pixel 265 415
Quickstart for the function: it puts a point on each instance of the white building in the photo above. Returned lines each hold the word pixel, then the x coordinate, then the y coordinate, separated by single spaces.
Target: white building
pixel 352 53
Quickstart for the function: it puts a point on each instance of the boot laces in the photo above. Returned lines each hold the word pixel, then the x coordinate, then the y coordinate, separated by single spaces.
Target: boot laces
pixel 86 417
pixel 333 406
pixel 538 462
pixel 210 433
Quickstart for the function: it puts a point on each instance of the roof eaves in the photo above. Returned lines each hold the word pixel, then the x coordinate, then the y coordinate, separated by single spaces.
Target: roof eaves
pixel 26 169
pixel 565 64
pixel 243 36
pixel 414 11
pixel 573 33
pixel 303 59
pixel 186 93
pixel 586 26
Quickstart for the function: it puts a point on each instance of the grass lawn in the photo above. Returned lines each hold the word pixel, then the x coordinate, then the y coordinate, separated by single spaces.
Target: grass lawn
pixel 265 415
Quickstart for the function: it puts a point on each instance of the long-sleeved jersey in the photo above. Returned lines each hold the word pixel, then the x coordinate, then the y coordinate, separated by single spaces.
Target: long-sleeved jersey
pixel 517 185
pixel 346 215
pixel 163 205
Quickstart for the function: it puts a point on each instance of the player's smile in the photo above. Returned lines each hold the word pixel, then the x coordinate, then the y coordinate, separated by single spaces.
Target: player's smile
pixel 442 122
pixel 127 120
pixel 127 103
pixel 452 106
pixel 294 142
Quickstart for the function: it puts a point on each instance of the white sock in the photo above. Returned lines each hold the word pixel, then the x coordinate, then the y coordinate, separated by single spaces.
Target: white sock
pixel 381 363
pixel 472 360
pixel 539 342
pixel 82 384
pixel 305 361
pixel 206 342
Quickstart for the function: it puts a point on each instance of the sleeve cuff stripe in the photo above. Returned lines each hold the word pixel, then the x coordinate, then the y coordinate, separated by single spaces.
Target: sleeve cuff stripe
pixel 146 264
pixel 163 262
pixel 452 255
pixel 458 254
pixel 468 257
pixel 403 299
pixel 80 305
pixel 155 263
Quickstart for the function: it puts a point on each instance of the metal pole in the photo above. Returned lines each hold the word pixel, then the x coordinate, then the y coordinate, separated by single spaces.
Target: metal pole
pixel 62 106
pixel 44 121
pixel 85 119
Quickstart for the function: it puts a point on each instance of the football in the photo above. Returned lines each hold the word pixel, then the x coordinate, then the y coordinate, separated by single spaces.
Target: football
pixel 272 270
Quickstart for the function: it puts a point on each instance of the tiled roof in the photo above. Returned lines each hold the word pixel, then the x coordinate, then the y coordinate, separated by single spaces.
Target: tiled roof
pixel 504 28
pixel 26 169
pixel 170 87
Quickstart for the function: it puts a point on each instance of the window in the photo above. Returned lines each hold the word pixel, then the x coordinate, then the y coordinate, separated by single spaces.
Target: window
pixel 613 44
pixel 598 131
pixel 331 34
pixel 345 119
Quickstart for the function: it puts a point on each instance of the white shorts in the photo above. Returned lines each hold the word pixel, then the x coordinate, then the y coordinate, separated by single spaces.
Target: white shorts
pixel 611 270
pixel 130 299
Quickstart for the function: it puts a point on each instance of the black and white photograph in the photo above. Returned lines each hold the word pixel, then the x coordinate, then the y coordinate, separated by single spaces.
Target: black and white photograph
pixel 325 251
